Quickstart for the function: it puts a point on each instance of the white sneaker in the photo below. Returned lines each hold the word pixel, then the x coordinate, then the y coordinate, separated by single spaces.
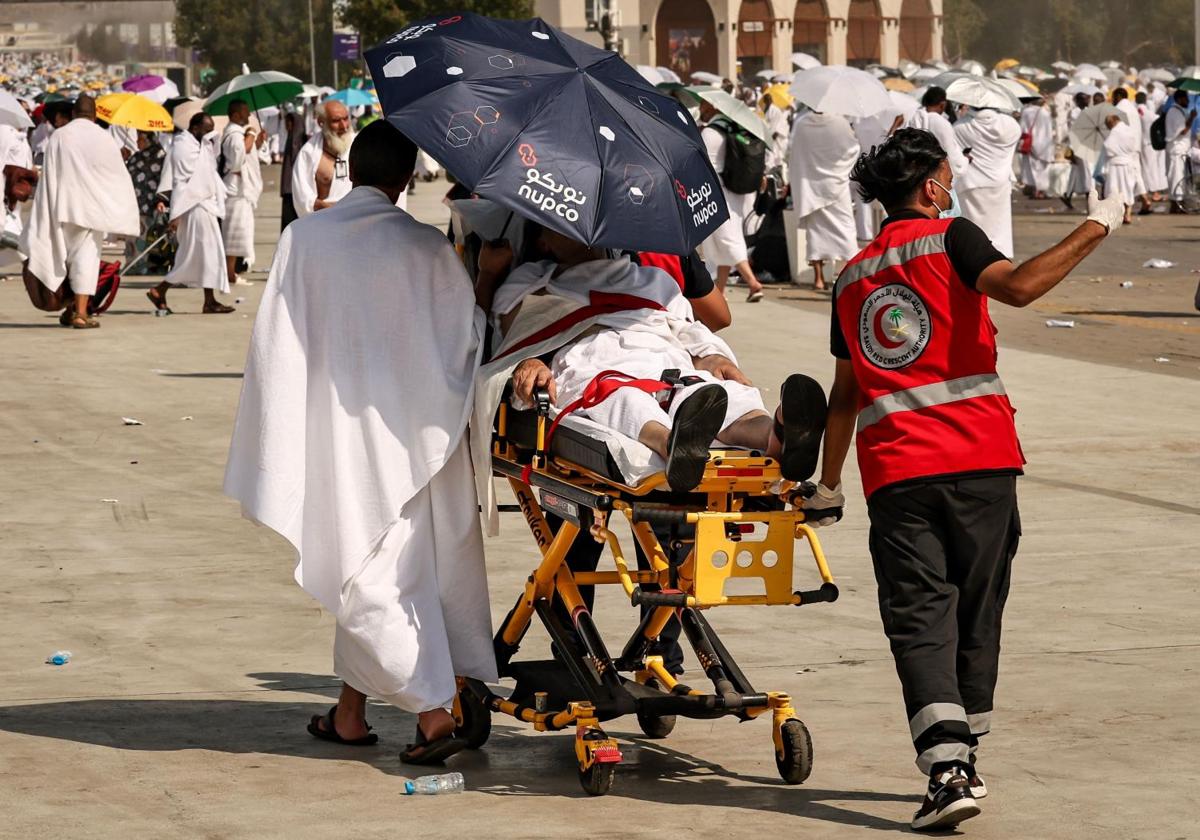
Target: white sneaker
pixel 948 801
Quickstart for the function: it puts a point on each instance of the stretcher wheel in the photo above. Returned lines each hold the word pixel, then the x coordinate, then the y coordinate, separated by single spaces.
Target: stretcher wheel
pixel 796 762
pixel 655 726
pixel 597 780
pixel 476 724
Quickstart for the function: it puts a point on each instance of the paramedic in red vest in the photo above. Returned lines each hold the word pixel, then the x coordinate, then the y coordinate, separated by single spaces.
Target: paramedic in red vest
pixel 937 447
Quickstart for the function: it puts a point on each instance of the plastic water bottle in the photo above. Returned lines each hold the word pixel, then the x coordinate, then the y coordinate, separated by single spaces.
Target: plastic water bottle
pixel 59 657
pixel 445 783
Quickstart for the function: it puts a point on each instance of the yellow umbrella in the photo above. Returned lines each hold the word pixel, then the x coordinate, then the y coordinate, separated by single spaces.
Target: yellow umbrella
pixel 780 97
pixel 1029 84
pixel 1007 64
pixel 134 111
pixel 897 84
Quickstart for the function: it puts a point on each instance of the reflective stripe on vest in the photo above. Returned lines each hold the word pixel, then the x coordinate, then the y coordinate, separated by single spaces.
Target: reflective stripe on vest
pixel 899 255
pixel 926 396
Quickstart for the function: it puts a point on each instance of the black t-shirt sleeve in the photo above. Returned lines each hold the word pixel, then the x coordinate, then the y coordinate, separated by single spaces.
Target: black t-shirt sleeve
pixel 837 340
pixel 697 281
pixel 969 250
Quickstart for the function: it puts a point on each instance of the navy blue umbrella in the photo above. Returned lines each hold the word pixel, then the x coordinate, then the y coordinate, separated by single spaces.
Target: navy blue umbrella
pixel 555 129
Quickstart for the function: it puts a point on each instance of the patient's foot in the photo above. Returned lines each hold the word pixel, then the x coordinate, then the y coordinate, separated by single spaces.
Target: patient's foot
pixel 799 424
pixel 696 425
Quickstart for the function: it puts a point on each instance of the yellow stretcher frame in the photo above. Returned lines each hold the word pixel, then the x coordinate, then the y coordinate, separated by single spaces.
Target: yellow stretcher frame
pixel 730 544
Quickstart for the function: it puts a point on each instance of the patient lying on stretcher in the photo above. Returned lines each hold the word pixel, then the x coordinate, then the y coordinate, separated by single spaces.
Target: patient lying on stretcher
pixel 645 327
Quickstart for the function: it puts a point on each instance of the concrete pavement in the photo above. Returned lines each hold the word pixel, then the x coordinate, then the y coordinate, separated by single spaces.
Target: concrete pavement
pixel 198 660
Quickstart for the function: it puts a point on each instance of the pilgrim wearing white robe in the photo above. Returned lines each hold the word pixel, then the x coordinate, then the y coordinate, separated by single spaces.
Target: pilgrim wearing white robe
pixel 243 186
pixel 727 244
pixel 939 126
pixel 1133 117
pixel 304 176
pixel 84 192
pixel 1154 161
pixel 198 201
pixel 1179 141
pixel 124 137
pixel 14 150
pixel 870 132
pixel 822 153
pixel 985 189
pixel 779 131
pixel 1122 151
pixel 640 342
pixel 350 443
pixel 1035 166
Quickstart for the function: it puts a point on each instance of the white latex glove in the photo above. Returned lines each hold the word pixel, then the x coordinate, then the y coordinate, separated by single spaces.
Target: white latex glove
pixel 823 499
pixel 1109 212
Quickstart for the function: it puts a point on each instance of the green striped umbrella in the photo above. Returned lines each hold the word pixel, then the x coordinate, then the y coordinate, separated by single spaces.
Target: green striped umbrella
pixel 1185 83
pixel 264 89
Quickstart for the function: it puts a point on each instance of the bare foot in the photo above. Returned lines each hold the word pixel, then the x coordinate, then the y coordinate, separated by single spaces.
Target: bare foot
pixel 436 723
pixel 347 725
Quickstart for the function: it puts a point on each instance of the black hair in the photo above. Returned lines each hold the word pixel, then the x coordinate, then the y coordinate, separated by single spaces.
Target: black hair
pixel 381 156
pixel 235 104
pixel 1082 99
pixel 1140 99
pixel 196 119
pixel 1119 94
pixel 891 173
pixel 934 96
pixel 1180 94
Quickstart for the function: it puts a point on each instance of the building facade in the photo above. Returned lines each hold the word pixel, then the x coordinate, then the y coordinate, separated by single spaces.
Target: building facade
pixel 740 37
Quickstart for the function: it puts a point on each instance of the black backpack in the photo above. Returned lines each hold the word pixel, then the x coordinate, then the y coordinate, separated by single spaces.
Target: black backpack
pixel 745 158
pixel 1158 132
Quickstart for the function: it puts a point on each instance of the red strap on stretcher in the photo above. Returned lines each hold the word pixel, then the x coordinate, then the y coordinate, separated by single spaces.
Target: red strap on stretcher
pixel 602 303
pixel 603 385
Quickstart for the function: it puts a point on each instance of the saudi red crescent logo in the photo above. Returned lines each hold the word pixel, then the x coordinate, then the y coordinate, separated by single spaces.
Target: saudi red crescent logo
pixel 894 326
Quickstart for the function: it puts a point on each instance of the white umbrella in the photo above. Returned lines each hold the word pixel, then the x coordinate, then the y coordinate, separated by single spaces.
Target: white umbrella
pixel 937 65
pixel 11 112
pixel 1156 74
pixel 1110 65
pixel 1064 66
pixel 804 61
pixel 1080 87
pixel 904 104
pixel 1017 89
pixel 927 73
pixel 310 92
pixel 982 92
pixel 1190 72
pixel 650 74
pixel 1090 73
pixel 782 78
pixel 735 109
pixel 908 69
pixel 669 75
pixel 1089 129
pixel 765 74
pixel 1114 77
pixel 972 67
pixel 840 90
pixel 707 78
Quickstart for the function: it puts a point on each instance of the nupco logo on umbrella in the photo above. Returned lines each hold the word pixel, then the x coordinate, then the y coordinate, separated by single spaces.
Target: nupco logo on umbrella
pixel 700 201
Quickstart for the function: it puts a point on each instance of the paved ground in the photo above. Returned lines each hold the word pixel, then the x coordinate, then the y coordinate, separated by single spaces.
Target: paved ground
pixel 198 661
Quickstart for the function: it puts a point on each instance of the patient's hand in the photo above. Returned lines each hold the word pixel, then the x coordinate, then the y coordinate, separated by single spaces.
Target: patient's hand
pixel 530 375
pixel 722 368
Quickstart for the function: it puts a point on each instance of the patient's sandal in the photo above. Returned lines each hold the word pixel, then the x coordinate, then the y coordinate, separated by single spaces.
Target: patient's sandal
pixel 799 424
pixel 696 425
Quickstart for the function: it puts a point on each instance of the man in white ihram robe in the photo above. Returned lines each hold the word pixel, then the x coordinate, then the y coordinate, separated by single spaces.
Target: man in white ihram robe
pixel 1122 154
pixel 985 189
pixel 1154 161
pixel 243 150
pixel 84 192
pixel 351 444
pixel 197 202
pixel 822 153
pixel 1035 166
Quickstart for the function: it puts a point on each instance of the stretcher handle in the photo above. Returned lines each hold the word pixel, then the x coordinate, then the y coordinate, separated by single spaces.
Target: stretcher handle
pixel 541 401
pixel 828 593
pixel 657 599
pixel 659 516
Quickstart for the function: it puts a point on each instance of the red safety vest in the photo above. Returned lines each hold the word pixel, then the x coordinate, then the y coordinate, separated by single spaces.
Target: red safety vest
pixel 924 353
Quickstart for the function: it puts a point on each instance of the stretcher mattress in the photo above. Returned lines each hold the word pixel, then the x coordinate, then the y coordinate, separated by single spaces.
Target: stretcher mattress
pixel 596 448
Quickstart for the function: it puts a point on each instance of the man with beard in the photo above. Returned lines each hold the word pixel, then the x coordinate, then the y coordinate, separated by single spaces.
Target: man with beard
pixel 321 174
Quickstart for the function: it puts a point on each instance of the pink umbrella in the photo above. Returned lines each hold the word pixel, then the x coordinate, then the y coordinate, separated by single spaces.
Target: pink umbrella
pixel 152 87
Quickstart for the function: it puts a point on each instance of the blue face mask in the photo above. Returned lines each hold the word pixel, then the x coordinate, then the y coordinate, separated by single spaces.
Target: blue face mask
pixel 952 211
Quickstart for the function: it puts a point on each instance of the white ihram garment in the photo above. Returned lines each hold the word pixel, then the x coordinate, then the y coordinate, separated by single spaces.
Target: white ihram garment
pixel 350 443
pixel 985 189
pixel 1179 141
pixel 304 177
pixel 198 201
pixel 641 343
pixel 939 126
pixel 1122 149
pixel 1154 161
pixel 1133 118
pixel 243 186
pixel 1035 166
pixel 727 244
pixel 822 153
pixel 84 192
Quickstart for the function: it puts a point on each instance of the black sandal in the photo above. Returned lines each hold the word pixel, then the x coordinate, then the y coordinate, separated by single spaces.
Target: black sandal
pixel 803 406
pixel 432 752
pixel 330 733
pixel 696 424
